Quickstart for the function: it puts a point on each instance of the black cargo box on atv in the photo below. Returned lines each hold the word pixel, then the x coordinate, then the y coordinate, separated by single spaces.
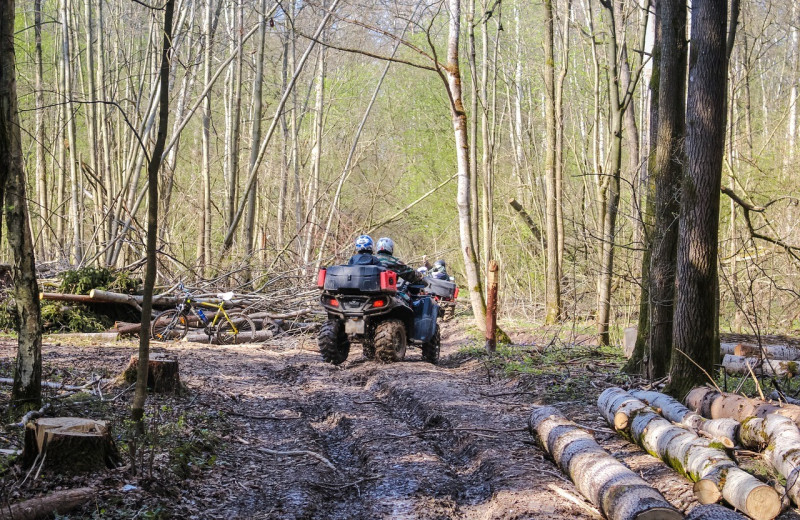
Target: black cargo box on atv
pixel 441 288
pixel 354 278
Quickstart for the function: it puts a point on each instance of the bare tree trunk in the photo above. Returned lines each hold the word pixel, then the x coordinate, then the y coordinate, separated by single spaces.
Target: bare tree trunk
pixel 473 128
pixel 91 115
pixel 204 237
pixel 667 177
pixel 26 393
pixel 637 363
pixel 695 323
pixel 255 137
pixel 452 76
pixel 235 117
pixel 75 191
pixel 137 407
pixel 41 169
pixel 105 165
pixel 791 132
pixel 553 282
pixel 316 158
pixel 559 155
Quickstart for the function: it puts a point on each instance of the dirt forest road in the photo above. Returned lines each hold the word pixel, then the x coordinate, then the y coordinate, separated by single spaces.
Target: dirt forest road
pixel 299 439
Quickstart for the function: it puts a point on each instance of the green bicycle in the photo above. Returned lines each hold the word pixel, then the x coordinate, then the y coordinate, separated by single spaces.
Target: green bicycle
pixel 230 328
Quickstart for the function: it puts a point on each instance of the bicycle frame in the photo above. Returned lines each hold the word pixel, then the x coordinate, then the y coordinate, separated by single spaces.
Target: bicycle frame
pixel 220 311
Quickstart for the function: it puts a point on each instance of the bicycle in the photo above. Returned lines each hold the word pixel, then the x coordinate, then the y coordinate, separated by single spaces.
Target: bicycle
pixel 230 328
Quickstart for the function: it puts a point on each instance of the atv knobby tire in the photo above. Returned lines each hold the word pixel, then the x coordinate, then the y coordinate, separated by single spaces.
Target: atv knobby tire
pixel 430 350
pixel 333 343
pixel 390 341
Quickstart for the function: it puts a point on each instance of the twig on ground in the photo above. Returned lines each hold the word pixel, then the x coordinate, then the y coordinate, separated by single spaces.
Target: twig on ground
pixel 298 453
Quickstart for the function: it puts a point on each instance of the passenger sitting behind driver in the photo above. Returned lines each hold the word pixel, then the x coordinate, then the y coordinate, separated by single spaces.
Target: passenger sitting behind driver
pixel 385 247
pixel 439 270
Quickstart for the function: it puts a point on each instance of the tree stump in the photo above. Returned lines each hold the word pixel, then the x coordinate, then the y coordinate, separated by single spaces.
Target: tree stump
pixel 162 373
pixel 69 444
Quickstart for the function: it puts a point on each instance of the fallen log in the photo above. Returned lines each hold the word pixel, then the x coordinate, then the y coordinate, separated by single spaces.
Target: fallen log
pixel 125 328
pixel 618 492
pixel 706 463
pixel 781 437
pixel 723 430
pixel 617 406
pixel 69 444
pixel 713 512
pixel 775 396
pixel 717 405
pixel 784 352
pixel 202 337
pixel 84 336
pixel 59 502
pixel 281 316
pixel 59 297
pixel 727 348
pixel 162 373
pixel 768 367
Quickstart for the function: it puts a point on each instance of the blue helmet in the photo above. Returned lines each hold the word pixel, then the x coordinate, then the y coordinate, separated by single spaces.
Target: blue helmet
pixel 364 244
pixel 385 245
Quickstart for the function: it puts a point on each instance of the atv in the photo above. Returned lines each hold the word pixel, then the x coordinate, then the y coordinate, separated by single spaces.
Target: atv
pixel 444 293
pixel 364 305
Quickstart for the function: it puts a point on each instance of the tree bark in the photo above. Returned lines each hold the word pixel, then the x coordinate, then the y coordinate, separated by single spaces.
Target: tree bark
pixel 781 437
pixel 27 392
pixel 618 492
pixel 715 474
pixel 667 175
pixel 695 327
pixel 153 168
pixel 60 502
pixel 41 168
pixel 715 405
pixel 452 76
pixel 552 280
pixel 768 367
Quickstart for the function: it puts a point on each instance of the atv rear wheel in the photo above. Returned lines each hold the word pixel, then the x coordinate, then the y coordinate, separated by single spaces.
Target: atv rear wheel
pixel 430 350
pixel 390 341
pixel 333 343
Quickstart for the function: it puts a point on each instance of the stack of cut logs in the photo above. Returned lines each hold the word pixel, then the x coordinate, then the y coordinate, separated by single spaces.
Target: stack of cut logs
pixel 695 440
pixel 771 360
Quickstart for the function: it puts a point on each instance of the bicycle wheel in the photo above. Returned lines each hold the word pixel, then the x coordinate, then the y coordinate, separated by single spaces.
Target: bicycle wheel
pixel 246 330
pixel 170 325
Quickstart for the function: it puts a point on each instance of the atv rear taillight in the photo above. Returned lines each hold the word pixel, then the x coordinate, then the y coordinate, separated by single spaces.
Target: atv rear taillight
pixel 321 277
pixel 389 281
pixel 379 303
pixel 455 294
pixel 329 300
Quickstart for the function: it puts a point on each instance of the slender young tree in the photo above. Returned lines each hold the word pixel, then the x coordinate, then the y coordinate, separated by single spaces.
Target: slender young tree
pixel 695 323
pixel 26 393
pixel 153 168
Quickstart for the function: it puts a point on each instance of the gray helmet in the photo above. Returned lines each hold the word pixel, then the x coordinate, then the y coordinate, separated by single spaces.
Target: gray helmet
pixel 385 245
pixel 439 265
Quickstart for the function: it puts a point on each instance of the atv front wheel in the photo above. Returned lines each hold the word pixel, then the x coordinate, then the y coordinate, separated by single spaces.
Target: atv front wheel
pixel 333 343
pixel 390 341
pixel 430 350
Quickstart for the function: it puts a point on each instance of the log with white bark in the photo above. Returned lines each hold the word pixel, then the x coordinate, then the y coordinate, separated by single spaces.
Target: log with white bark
pixel 727 348
pixel 713 512
pixel 717 405
pixel 706 463
pixel 768 367
pixel 618 492
pixel 722 430
pixel 784 352
pixel 781 437
pixel 60 502
pixel 616 405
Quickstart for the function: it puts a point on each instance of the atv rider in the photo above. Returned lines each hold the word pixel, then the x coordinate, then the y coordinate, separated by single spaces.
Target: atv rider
pixel 439 271
pixel 385 247
pixel 364 247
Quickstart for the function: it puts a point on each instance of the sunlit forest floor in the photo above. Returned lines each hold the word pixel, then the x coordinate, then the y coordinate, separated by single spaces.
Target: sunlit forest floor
pixel 269 431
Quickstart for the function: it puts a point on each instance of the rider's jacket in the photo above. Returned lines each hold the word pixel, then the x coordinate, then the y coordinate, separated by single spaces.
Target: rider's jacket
pixel 363 259
pixel 403 271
